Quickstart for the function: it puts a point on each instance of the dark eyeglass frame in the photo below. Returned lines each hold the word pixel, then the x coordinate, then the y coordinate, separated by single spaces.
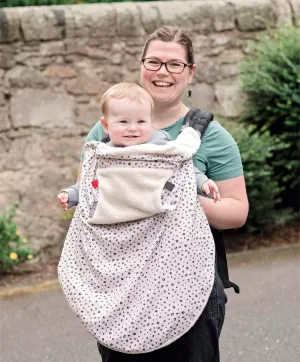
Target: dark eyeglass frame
pixel 166 65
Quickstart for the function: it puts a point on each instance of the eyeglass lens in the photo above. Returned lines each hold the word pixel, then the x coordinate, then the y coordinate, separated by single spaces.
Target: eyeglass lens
pixel 172 67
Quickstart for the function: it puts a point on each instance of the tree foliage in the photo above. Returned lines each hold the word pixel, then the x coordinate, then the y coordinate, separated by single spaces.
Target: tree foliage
pixel 271 80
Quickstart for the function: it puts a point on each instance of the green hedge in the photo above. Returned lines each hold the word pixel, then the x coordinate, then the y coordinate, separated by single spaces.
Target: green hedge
pixel 271 79
pixel 13 246
pixel 262 187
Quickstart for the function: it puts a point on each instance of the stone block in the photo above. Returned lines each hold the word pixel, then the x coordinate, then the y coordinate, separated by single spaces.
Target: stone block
pixel 2 98
pixel 52 48
pixel 118 50
pixel 150 16
pixel 93 53
pixel 203 96
pixel 92 21
pixel 228 71
pixel 295 4
pixel 9 25
pixel 59 71
pixel 24 77
pixel 33 154
pixel 14 157
pixel 7 56
pixel 230 56
pixel 224 18
pixel 230 98
pixel 4 119
pixel 37 61
pixel 39 23
pixel 9 194
pixel 114 74
pixel 283 12
pixel 128 20
pixel 88 114
pixel 254 14
pixel 199 15
pixel 72 45
pixel 207 70
pixel 85 84
pixel 20 58
pixel 65 150
pixel 42 108
pixel 220 39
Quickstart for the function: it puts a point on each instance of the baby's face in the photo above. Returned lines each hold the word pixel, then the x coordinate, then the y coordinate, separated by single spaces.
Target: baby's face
pixel 128 123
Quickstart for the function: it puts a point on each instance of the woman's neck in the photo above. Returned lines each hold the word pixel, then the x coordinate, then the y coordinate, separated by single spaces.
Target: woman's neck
pixel 165 116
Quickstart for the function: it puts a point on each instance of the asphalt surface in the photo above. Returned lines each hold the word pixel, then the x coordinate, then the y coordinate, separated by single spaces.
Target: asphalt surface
pixel 262 323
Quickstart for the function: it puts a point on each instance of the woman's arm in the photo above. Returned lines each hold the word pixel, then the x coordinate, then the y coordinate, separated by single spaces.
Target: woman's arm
pixel 232 211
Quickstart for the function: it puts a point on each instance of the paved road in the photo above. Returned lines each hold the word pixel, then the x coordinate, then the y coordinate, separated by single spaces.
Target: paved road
pixel 262 323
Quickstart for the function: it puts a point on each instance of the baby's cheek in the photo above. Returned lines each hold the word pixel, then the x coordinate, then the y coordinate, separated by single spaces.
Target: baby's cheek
pixel 116 134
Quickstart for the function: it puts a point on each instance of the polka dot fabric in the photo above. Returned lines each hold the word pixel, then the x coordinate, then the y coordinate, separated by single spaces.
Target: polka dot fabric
pixel 138 286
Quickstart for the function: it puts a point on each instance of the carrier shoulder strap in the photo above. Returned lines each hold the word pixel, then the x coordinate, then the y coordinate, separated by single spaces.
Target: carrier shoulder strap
pixel 197 119
pixel 222 266
pixel 105 138
pixel 200 120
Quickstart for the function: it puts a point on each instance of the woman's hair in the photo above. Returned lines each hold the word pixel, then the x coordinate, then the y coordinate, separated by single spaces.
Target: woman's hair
pixel 172 34
pixel 128 91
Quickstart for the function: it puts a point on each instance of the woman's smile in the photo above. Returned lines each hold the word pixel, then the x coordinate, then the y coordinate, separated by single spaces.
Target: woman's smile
pixel 162 84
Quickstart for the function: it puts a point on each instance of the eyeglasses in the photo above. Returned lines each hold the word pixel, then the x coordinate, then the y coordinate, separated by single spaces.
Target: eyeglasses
pixel 172 66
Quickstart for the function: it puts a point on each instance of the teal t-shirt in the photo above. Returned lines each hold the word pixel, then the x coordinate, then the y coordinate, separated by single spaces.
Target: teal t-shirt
pixel 218 156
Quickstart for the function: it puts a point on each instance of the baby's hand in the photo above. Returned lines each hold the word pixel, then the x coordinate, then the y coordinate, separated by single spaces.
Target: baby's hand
pixel 210 188
pixel 63 199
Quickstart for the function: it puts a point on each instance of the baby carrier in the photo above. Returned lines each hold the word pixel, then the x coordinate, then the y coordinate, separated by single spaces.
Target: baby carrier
pixel 138 262
pixel 199 120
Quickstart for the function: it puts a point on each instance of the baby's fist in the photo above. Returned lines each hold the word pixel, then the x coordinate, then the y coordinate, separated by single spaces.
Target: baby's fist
pixel 210 188
pixel 63 199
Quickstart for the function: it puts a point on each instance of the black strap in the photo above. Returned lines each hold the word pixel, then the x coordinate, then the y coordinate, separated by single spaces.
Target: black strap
pixel 105 138
pixel 197 119
pixel 222 266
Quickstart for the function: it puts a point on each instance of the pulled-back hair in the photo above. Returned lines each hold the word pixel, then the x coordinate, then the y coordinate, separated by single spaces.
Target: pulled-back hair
pixel 128 91
pixel 168 33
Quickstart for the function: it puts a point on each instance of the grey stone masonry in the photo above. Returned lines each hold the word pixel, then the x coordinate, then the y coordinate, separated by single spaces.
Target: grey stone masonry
pixel 56 62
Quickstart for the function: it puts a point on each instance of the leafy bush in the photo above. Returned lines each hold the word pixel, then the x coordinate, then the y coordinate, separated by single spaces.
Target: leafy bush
pixel 271 79
pixel 262 188
pixel 12 245
pixel 12 3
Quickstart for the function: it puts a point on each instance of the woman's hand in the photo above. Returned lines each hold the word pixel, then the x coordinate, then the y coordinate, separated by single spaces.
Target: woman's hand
pixel 232 212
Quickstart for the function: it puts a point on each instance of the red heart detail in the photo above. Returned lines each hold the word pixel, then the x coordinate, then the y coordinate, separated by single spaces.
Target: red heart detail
pixel 95 183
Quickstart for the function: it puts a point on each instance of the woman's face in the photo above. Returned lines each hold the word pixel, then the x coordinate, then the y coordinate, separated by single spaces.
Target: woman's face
pixel 163 86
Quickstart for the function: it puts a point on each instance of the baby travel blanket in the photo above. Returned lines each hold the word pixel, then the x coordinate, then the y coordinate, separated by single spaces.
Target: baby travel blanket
pixel 137 266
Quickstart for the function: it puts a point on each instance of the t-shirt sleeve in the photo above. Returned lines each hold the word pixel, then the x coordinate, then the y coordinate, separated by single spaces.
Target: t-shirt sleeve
pixel 218 156
pixel 95 134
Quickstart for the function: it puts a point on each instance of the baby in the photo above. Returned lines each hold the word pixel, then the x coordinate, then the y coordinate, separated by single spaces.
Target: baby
pixel 127 111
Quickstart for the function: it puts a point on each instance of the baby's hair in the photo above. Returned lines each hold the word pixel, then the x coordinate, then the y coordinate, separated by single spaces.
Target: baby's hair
pixel 127 91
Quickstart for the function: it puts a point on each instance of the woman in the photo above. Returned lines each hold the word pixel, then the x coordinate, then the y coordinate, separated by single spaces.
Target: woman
pixel 167 69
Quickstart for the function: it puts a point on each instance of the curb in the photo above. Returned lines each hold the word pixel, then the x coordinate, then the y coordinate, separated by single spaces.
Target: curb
pixel 30 289
pixel 54 284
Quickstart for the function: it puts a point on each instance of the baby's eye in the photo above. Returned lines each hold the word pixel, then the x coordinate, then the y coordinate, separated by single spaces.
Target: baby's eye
pixel 141 121
pixel 123 121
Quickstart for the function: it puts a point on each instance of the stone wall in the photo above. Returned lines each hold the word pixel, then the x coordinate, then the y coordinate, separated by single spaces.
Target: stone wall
pixel 55 62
